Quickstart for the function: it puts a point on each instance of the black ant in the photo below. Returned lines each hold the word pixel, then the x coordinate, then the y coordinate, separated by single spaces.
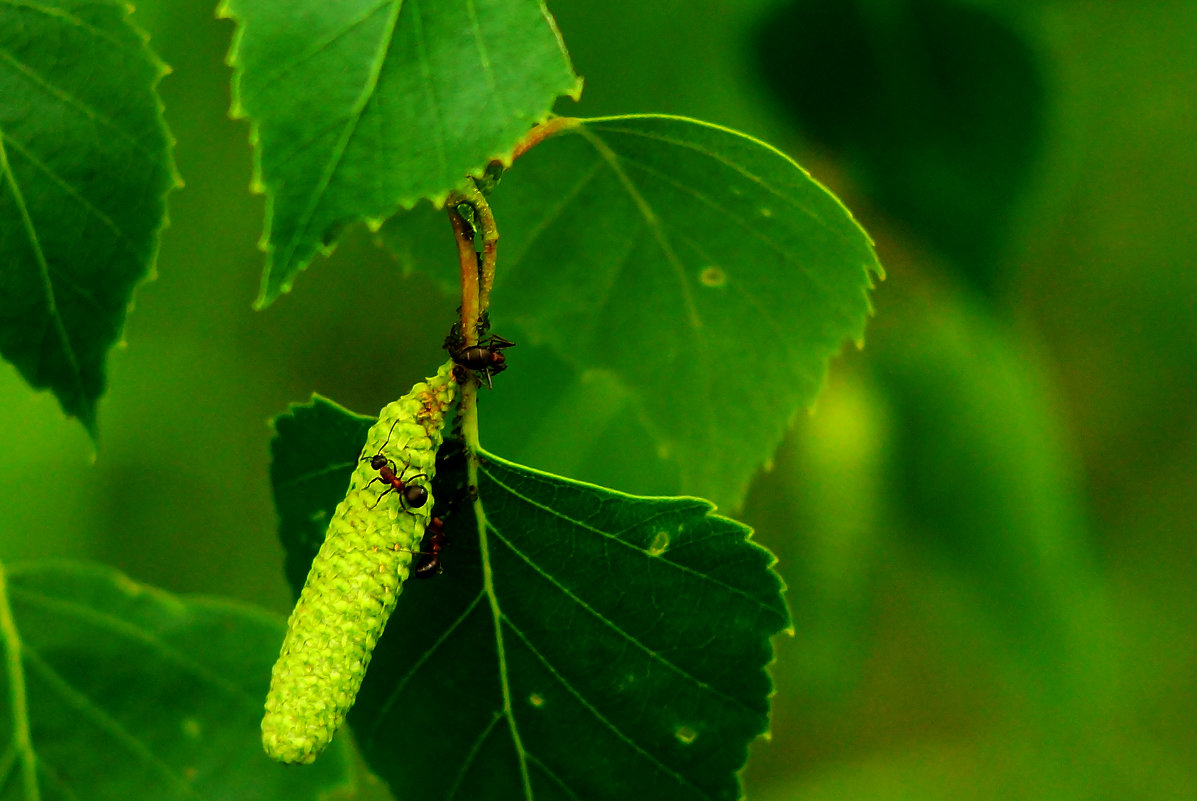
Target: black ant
pixel 430 564
pixel 484 358
pixel 413 496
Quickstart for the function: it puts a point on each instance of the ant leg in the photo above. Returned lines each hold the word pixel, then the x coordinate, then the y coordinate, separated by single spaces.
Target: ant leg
pixel 378 500
pixel 407 467
pixel 496 342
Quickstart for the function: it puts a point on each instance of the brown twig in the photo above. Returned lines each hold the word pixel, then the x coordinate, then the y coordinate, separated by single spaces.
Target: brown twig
pixel 541 132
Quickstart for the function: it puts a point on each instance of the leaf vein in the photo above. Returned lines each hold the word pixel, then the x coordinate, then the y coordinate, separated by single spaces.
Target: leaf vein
pixel 583 526
pixel 554 777
pixel 724 213
pixel 488 584
pixel 46 170
pixel 91 710
pixel 752 177
pixel 79 22
pixel 484 58
pixel 53 318
pixel 426 69
pixel 314 50
pixel 554 213
pixel 610 624
pixel 658 230
pixel 342 145
pixel 70 100
pixel 14 649
pixel 472 754
pixel 393 696
pixel 135 634
pixel 615 730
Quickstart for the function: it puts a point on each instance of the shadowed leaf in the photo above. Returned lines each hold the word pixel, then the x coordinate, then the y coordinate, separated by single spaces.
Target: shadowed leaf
pixel 587 644
pixel 85 166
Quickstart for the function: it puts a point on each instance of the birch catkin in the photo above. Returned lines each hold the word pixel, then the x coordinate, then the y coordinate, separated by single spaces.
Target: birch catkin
pixel 355 579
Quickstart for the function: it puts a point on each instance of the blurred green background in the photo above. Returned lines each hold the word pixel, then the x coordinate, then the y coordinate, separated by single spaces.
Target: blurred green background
pixel 987 522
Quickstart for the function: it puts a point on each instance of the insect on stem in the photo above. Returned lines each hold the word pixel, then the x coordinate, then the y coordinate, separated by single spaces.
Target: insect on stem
pixel 411 496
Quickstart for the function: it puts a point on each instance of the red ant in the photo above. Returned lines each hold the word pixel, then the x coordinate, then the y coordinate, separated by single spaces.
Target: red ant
pixel 483 358
pixel 412 496
pixel 430 564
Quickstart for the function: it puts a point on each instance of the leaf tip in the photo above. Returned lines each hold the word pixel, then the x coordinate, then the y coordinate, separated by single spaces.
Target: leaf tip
pixel 574 93
pixel 270 289
pixel 267 295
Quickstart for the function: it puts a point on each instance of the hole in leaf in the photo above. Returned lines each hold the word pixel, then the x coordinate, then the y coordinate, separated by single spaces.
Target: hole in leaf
pixel 192 728
pixel 713 277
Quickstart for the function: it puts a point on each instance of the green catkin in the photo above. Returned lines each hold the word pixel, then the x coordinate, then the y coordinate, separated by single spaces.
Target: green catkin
pixel 355 580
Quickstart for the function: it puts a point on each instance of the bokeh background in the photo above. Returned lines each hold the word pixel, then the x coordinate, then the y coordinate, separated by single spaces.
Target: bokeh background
pixel 986 524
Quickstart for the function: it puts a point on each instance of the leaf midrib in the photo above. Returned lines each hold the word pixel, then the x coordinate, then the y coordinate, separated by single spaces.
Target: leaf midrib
pixel 355 118
pixel 16 685
pixel 613 626
pixel 54 318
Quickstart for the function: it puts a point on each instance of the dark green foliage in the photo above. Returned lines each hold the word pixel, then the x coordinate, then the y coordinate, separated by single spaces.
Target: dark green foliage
pixel 84 168
pixel 115 690
pixel 589 643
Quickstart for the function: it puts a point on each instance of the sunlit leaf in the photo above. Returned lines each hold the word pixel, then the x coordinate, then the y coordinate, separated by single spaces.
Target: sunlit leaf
pixel 115 690
pixel 364 106
pixel 84 169
pixel 588 644
pixel 705 271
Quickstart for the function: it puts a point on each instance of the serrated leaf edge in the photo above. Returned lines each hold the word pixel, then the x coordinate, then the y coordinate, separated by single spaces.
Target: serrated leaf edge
pixel 174 181
pixel 505 154
pixel 708 511
pixel 873 270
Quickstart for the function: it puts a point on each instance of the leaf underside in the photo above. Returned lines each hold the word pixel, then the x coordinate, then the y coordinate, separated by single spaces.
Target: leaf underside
pixel 84 169
pixel 115 690
pixel 588 644
pixel 702 270
pixel 361 107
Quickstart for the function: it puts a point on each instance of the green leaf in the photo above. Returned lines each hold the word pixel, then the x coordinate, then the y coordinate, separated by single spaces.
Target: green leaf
pixel 706 271
pixel 359 108
pixel 116 690
pixel 84 169
pixel 564 420
pixel 589 644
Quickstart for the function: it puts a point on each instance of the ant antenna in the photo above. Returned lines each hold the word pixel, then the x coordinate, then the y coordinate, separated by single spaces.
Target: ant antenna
pixel 384 444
